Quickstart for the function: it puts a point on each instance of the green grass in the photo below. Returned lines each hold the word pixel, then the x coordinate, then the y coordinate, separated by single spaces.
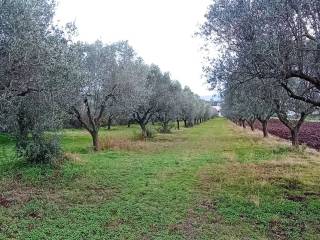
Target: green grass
pixel 214 181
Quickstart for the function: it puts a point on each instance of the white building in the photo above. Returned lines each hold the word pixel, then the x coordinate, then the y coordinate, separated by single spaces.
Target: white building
pixel 217 109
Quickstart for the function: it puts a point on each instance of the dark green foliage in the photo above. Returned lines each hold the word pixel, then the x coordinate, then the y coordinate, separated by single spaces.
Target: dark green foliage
pixel 40 149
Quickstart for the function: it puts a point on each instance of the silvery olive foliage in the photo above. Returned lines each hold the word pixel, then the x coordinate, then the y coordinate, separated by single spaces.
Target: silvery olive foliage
pixel 104 68
pixel 37 75
pixel 48 79
pixel 269 59
pixel 170 106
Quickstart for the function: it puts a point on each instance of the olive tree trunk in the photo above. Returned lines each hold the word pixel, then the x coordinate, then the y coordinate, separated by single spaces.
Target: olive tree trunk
pixel 109 123
pixel 95 140
pixel 265 128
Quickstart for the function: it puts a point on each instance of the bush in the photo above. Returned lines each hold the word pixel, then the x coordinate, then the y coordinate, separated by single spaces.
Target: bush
pixel 137 135
pixel 166 128
pixel 150 132
pixel 40 149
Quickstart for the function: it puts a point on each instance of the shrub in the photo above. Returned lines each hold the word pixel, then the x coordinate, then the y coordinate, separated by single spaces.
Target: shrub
pixel 150 132
pixel 138 136
pixel 166 128
pixel 40 149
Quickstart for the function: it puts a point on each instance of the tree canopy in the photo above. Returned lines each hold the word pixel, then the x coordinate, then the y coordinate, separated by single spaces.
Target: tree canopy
pixel 49 80
pixel 269 61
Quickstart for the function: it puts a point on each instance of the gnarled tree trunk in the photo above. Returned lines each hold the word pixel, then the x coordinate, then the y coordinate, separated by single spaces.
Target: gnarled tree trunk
pixel 243 123
pixel 293 126
pixel 294 137
pixel 109 123
pixel 143 130
pixel 142 120
pixel 264 124
pixel 95 140
pixel 251 124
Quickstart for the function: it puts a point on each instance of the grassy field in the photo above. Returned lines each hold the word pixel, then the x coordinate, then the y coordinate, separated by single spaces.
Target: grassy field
pixel 214 181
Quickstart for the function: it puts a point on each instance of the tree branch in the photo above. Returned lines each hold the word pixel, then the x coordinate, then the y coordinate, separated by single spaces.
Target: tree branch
pixel 297 97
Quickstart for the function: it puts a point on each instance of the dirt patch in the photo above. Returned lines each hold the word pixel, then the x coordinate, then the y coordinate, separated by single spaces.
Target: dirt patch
pixel 26 194
pixel 277 231
pixel 211 178
pixel 4 202
pixel 289 183
pixel 115 224
pixel 16 194
pixel 208 205
pixel 316 194
pixel 87 195
pixel 296 198
pixel 189 226
pixel 35 215
pixel 204 214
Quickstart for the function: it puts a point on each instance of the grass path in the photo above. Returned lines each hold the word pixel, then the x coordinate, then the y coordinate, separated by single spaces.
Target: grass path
pixel 214 181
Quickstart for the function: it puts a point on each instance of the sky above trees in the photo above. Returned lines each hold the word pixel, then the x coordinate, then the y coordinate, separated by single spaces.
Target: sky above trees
pixel 161 31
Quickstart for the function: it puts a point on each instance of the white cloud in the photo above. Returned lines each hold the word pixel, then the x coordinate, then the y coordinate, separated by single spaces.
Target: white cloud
pixel 161 31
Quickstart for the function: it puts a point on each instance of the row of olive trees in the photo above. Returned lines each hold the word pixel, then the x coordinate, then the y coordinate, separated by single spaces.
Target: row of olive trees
pixel 46 78
pixel 269 61
pixel 251 101
pixel 119 85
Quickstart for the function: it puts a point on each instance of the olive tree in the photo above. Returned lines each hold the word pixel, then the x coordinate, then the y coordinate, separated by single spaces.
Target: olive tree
pixel 147 95
pixel 102 70
pixel 168 111
pixel 278 39
pixel 188 108
pixel 292 112
pixel 269 53
pixel 36 73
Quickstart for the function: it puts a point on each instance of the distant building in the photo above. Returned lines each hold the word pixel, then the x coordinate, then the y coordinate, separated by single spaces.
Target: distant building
pixel 217 109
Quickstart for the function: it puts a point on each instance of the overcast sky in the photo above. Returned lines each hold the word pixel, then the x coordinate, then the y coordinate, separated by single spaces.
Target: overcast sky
pixel 161 31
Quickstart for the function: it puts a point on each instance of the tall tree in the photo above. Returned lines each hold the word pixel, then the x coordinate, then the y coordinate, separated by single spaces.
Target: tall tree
pixel 36 69
pixel 147 95
pixel 275 39
pixel 102 68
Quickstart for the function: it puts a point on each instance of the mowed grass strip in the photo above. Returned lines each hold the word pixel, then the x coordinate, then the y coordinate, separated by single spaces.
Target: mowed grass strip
pixel 214 181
